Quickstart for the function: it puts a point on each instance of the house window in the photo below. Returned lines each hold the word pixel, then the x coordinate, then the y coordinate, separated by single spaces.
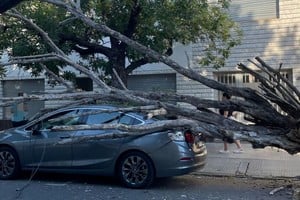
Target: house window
pixel 227 78
pixel 254 9
pixel 248 80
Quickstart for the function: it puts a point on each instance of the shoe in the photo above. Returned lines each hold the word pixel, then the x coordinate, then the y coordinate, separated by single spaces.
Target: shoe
pixel 238 151
pixel 224 151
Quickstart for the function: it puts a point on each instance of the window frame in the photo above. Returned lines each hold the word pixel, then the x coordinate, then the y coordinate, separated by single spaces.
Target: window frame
pixel 248 10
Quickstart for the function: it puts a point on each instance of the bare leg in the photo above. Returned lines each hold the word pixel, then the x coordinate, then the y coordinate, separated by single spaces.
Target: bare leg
pixel 225 146
pixel 239 147
pixel 225 150
pixel 238 144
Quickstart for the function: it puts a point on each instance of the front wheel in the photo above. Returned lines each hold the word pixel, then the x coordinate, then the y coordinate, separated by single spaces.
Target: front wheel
pixel 9 163
pixel 135 170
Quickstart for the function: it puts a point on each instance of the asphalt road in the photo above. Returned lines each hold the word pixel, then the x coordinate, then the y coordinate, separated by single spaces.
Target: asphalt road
pixel 70 187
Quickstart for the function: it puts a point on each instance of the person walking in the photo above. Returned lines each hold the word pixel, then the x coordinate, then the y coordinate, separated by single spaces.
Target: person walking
pixel 18 113
pixel 226 140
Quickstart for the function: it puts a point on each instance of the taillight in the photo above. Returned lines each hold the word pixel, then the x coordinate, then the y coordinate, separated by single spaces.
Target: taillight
pixel 176 136
pixel 182 136
pixel 189 137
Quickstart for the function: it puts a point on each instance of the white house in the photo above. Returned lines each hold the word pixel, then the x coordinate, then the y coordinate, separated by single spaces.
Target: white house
pixel 271 30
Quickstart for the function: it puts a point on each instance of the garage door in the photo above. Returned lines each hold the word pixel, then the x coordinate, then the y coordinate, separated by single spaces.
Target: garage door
pixel 153 82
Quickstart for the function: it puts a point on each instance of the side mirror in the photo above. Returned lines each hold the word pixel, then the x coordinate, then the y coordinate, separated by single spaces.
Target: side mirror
pixel 36 132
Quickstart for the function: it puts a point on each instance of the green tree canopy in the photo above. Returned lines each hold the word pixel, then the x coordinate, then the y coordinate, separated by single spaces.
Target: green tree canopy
pixel 156 24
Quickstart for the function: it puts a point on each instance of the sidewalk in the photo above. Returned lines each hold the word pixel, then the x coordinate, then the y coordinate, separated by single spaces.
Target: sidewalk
pixel 269 162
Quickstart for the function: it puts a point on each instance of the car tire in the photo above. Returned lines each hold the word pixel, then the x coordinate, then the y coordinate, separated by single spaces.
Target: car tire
pixel 9 163
pixel 136 170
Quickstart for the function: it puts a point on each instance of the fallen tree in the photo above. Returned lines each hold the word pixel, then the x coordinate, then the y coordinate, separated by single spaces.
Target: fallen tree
pixel 269 126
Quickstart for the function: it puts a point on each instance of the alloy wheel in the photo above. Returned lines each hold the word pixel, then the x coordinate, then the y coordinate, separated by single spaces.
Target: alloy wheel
pixel 9 166
pixel 135 170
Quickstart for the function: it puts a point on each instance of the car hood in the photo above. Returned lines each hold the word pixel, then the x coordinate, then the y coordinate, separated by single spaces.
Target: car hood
pixel 8 133
pixel 4 135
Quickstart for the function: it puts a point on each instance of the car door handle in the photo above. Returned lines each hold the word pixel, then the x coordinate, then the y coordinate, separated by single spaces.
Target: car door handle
pixel 64 136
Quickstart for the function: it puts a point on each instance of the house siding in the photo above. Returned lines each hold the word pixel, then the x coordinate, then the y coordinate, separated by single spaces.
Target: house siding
pixel 54 89
pixel 275 40
pixel 48 89
pixel 60 89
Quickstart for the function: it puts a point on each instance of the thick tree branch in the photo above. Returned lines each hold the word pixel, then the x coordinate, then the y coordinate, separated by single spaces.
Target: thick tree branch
pixel 294 89
pixel 133 19
pixel 31 59
pixel 277 81
pixel 59 52
pixel 119 79
pixel 84 47
pixel 57 78
pixel 135 64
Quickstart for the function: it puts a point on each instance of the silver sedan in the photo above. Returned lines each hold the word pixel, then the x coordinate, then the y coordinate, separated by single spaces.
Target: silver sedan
pixel 136 160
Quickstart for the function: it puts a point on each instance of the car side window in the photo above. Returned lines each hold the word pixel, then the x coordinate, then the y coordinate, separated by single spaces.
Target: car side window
pixel 102 118
pixel 65 118
pixel 136 121
pixel 128 120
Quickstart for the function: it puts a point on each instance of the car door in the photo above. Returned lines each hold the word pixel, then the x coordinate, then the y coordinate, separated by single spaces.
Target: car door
pixel 92 152
pixel 49 147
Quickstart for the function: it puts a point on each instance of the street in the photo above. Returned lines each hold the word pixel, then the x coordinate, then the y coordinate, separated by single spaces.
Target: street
pixel 73 187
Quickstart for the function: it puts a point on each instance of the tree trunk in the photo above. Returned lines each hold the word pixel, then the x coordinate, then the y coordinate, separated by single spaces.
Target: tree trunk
pixel 118 62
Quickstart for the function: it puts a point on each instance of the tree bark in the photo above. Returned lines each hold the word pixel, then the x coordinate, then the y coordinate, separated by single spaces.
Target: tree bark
pixel 117 62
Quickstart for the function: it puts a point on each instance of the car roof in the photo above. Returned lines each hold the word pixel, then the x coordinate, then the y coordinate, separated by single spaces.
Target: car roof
pixel 47 112
pixel 137 114
pixel 104 107
pixel 91 106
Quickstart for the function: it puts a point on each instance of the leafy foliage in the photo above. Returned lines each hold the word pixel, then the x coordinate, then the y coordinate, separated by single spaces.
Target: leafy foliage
pixel 156 24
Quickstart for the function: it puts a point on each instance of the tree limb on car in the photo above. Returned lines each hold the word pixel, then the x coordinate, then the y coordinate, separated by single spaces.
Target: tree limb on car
pixel 271 127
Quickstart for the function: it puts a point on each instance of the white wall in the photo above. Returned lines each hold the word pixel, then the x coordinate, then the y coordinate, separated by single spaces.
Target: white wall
pixel 275 40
